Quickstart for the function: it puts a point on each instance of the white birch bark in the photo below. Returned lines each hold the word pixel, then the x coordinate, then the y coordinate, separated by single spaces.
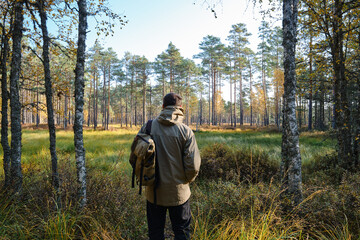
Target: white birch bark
pixel 79 104
pixel 291 159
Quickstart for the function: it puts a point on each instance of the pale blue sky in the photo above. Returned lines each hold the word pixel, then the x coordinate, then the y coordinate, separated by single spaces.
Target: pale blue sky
pixel 153 24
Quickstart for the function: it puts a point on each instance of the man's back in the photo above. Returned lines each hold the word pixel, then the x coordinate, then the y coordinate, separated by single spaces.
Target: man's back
pixel 178 158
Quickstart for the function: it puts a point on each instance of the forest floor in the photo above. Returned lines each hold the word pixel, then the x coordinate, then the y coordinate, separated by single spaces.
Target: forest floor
pixel 236 196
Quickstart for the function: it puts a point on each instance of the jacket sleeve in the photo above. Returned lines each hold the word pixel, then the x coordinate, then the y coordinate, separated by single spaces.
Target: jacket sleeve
pixel 192 158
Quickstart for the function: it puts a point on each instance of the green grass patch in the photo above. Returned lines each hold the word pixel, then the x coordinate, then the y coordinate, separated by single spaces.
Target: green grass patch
pixel 240 201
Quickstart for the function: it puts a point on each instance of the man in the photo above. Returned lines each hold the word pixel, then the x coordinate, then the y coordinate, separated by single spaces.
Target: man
pixel 178 160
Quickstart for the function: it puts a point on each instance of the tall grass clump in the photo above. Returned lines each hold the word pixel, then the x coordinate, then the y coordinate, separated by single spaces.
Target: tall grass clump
pixel 223 210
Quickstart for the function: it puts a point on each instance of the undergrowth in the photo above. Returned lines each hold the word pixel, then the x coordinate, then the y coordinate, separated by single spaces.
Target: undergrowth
pixel 237 194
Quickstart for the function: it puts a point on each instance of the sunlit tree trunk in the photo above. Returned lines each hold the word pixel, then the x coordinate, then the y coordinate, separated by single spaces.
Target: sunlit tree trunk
pixel 209 99
pixel 89 106
pixel 251 103
pixel 231 110
pixel 235 103
pixel 241 101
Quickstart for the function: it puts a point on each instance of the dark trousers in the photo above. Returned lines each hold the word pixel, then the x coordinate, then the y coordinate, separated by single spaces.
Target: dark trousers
pixel 180 217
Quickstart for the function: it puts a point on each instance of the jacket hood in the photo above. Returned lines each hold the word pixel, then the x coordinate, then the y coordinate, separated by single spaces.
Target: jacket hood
pixel 171 115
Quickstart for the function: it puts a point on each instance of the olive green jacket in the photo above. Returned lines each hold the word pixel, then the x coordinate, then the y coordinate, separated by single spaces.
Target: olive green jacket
pixel 178 158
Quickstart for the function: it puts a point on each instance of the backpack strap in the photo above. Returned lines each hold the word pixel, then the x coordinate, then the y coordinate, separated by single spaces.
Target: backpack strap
pixel 156 183
pixel 148 127
pixel 141 177
pixel 133 177
pixel 147 131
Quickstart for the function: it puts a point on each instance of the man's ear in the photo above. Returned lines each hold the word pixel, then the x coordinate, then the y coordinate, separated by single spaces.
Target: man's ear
pixel 163 106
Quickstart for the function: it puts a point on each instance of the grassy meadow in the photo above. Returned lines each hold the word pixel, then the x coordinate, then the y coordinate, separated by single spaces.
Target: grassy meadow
pixel 229 201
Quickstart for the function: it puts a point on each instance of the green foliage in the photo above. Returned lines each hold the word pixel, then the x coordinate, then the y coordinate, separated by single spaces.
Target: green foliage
pixel 240 165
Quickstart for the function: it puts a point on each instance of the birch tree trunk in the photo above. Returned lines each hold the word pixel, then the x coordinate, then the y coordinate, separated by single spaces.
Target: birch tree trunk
pixel 79 104
pixel 290 154
pixel 4 107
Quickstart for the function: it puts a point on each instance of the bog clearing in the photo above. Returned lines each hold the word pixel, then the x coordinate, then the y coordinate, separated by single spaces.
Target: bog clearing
pixel 237 194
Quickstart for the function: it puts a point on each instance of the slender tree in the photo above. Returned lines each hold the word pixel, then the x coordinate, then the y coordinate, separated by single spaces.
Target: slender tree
pixel 79 103
pixel 5 101
pixel 16 171
pixel 49 95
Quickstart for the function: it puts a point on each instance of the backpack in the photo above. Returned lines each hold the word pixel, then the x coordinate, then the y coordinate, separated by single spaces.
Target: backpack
pixel 143 159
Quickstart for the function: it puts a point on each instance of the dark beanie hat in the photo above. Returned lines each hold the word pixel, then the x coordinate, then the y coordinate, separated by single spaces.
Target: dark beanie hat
pixel 172 99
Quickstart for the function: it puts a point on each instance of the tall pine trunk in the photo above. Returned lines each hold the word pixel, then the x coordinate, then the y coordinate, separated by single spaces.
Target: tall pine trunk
pixel 251 101
pixel 37 103
pixel 65 110
pixel 16 172
pixel 231 115
pixel 49 94
pixel 357 115
pixel 103 105
pixel 311 85
pixel 108 101
pixel 235 103
pixel 144 97
pixel 89 106
pixel 342 111
pixel 95 100
pixel 4 106
pixel 79 104
pixel 290 153
pixel 241 101
pixel 209 100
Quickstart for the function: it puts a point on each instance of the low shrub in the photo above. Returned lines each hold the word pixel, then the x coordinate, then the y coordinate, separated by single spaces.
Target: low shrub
pixel 237 165
pixel 323 169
